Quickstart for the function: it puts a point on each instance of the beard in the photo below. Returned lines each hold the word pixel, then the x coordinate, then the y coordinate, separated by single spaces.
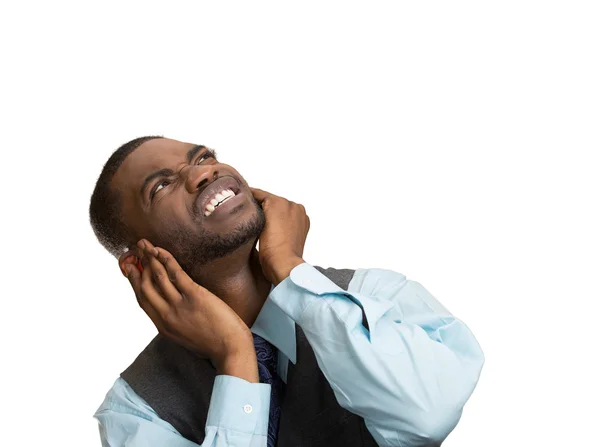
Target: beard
pixel 196 248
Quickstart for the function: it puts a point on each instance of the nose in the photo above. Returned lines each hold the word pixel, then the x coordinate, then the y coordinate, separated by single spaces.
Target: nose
pixel 197 176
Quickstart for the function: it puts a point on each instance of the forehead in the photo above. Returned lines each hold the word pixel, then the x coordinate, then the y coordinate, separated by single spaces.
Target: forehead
pixel 153 155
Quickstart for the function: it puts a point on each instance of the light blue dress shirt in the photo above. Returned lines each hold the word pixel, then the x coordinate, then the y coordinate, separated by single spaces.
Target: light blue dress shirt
pixel 408 375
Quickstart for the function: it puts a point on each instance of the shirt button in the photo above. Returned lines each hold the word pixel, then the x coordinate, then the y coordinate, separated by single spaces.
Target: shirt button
pixel 247 409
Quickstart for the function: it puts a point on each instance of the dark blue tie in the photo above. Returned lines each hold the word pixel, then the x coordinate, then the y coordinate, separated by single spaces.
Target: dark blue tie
pixel 267 372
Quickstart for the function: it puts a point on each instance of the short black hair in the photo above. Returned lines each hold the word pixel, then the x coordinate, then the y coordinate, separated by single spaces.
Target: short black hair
pixel 105 203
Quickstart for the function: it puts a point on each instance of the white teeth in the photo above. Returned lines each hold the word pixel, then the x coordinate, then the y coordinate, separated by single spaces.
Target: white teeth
pixel 223 196
pixel 226 199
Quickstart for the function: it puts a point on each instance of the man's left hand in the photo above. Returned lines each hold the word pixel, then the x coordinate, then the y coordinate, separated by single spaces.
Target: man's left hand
pixel 283 237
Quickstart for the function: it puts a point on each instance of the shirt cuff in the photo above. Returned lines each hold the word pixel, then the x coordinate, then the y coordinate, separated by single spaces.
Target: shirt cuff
pixel 306 286
pixel 239 405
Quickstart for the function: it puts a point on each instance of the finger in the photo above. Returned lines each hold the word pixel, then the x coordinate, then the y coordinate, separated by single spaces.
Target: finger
pixel 153 315
pixel 160 276
pixel 132 260
pixel 135 278
pixel 259 194
pixel 181 280
pixel 129 257
pixel 150 292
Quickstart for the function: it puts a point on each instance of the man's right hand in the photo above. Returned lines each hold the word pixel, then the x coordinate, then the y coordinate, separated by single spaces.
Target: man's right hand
pixel 191 315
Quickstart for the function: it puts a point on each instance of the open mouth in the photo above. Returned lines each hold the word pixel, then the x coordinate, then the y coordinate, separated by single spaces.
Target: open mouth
pixel 227 200
pixel 224 186
pixel 219 199
pixel 218 194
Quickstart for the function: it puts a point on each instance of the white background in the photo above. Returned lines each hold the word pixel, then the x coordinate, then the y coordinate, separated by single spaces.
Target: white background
pixel 455 142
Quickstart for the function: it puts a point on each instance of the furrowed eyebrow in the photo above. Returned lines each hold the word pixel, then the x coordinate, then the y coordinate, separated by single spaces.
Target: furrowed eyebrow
pixel 167 172
pixel 193 151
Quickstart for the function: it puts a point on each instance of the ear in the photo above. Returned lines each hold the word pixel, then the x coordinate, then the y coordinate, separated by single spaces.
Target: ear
pixel 129 257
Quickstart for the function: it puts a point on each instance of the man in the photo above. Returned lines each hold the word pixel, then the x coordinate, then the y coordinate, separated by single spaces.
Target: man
pixel 258 347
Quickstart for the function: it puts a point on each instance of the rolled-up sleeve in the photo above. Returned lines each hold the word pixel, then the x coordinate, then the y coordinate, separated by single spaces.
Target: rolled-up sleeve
pixel 409 374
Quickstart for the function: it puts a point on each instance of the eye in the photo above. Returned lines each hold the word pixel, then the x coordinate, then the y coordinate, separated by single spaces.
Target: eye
pixel 158 187
pixel 209 153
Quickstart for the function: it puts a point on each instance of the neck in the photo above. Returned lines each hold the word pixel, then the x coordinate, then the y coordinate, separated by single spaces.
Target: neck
pixel 238 280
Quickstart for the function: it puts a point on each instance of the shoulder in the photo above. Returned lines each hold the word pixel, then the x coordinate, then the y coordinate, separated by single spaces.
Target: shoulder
pixel 123 415
pixel 378 281
pixel 410 295
pixel 121 398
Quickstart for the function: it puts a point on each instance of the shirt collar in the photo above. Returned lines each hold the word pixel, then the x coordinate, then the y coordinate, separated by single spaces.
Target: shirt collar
pixel 277 328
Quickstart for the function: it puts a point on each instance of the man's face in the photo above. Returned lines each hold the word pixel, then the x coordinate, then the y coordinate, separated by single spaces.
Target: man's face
pixel 165 186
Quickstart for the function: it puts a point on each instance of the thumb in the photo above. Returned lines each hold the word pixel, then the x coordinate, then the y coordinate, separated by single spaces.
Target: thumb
pixel 259 194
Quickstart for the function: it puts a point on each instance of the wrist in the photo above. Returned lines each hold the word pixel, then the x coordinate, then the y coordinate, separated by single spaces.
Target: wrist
pixel 242 364
pixel 283 268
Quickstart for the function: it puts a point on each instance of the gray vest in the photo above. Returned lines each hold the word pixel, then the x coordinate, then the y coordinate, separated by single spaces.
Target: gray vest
pixel 178 385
